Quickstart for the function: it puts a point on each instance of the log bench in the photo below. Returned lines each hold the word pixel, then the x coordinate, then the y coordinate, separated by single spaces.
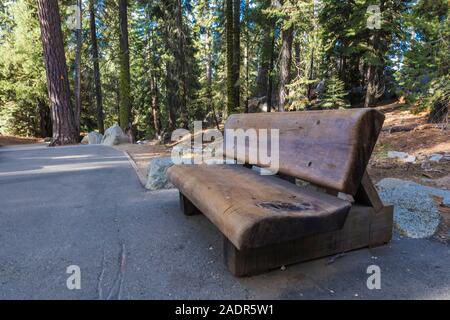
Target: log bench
pixel 268 221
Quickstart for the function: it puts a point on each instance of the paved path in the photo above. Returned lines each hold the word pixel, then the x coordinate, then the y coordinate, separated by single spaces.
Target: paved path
pixel 84 206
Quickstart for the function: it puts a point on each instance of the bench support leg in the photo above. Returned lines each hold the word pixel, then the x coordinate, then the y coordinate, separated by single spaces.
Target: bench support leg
pixel 188 207
pixel 363 228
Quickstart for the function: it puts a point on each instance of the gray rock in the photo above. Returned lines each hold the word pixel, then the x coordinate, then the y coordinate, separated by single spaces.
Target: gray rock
pixel 403 156
pixel 156 177
pixel 436 157
pixel 114 135
pixel 94 137
pixel 415 213
pixel 85 140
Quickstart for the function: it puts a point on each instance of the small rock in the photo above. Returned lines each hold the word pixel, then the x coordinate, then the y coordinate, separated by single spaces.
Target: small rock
pixel 156 177
pixel 114 135
pixel 85 140
pixel 263 171
pixel 94 137
pixel 397 154
pixel 436 157
pixel 403 156
pixel 283 268
pixel 409 159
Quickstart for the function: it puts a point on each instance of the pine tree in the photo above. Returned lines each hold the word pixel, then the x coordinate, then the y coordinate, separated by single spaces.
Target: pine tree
pixel 333 96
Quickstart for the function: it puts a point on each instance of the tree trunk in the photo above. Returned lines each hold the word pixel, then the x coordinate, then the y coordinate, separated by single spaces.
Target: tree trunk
pixel 64 129
pixel 181 61
pixel 287 37
pixel 77 82
pixel 237 52
pixel 95 58
pixel 171 95
pixel 45 120
pixel 124 85
pixel 311 75
pixel 231 104
pixel 262 78
pixel 155 107
pixel 209 69
pixel 270 76
pixel 247 54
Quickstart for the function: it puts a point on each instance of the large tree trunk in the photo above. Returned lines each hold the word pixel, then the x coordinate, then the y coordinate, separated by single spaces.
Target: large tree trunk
pixel 64 129
pixel 97 81
pixel 287 37
pixel 231 104
pixel 77 82
pixel 124 85
pixel 237 52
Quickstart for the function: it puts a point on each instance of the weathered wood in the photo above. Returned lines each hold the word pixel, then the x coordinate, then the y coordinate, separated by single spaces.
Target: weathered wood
pixel 363 228
pixel 328 148
pixel 367 194
pixel 253 210
pixel 187 207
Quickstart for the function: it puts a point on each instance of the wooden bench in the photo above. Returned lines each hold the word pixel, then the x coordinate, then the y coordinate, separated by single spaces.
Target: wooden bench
pixel 268 221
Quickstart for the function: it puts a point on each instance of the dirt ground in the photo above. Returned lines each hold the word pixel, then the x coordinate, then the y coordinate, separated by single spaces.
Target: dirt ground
pixel 141 154
pixel 11 140
pixel 406 132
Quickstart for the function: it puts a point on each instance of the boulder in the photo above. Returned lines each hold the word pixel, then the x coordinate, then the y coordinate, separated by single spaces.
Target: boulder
pixel 85 140
pixel 94 137
pixel 156 177
pixel 416 213
pixel 114 135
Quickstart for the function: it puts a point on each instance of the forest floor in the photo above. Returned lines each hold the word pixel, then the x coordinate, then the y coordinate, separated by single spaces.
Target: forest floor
pixel 14 140
pixel 404 131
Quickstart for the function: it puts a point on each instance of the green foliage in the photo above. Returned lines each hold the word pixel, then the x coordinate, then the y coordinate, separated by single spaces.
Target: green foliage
pixel 179 62
pixel 423 77
pixel 333 96
pixel 22 73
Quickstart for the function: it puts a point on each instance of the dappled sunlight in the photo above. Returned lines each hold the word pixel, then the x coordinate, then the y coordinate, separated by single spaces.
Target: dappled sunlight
pixel 64 168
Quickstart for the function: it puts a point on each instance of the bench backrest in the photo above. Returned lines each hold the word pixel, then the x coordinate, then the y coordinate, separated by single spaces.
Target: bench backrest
pixel 328 148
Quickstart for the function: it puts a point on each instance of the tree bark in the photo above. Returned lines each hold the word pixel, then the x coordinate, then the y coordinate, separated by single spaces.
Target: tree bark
pixel 237 52
pixel 155 107
pixel 287 36
pixel 124 85
pixel 270 76
pixel 229 45
pixel 95 58
pixel 64 129
pixel 262 79
pixel 45 120
pixel 77 82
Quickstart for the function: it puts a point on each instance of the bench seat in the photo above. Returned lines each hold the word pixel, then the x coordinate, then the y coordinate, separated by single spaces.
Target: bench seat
pixel 254 211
